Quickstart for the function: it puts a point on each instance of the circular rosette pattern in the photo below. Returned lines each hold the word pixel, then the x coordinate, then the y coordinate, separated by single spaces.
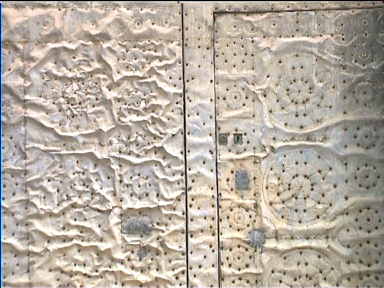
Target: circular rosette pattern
pixel 300 185
pixel 360 235
pixel 238 219
pixel 295 99
pixel 301 268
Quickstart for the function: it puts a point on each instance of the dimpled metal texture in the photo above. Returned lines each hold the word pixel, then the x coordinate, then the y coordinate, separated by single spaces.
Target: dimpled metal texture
pixel 191 144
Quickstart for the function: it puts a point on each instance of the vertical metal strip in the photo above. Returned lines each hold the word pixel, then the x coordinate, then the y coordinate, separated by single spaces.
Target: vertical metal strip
pixel 1 142
pixel 200 134
pixel 216 148
pixel 185 145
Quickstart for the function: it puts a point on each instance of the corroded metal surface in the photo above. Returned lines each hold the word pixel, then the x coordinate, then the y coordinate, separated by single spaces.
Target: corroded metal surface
pixel 228 144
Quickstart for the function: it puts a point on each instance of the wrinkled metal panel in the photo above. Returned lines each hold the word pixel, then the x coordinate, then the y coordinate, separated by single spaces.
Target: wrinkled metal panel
pixel 98 89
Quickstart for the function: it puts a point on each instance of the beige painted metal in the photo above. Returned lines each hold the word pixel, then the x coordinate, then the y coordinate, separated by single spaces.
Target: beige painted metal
pixel 98 89
pixel 275 182
pixel 203 256
pixel 264 242
pixel 300 149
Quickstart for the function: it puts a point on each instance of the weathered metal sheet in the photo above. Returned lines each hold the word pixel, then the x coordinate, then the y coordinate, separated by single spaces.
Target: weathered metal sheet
pixel 300 87
pixel 203 264
pixel 215 144
pixel 99 91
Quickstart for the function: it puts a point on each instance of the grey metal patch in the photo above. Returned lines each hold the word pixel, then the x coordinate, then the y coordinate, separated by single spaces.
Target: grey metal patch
pixel 137 225
pixel 142 253
pixel 257 238
pixel 242 180
pixel 238 138
pixel 223 138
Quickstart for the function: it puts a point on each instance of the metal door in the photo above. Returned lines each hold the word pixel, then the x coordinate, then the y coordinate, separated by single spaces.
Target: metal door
pixel 94 192
pixel 215 144
pixel 299 115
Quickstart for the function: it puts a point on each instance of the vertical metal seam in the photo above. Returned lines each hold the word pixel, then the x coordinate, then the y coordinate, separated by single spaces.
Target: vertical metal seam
pixel 217 152
pixel 1 143
pixel 185 147
pixel 27 194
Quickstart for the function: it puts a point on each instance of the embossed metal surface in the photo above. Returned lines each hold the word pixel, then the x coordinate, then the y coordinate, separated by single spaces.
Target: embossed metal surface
pixel 303 88
pixel 100 169
pixel 217 144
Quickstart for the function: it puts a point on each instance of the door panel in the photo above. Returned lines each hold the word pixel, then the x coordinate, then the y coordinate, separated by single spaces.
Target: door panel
pixel 215 144
pixel 101 100
pixel 299 147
